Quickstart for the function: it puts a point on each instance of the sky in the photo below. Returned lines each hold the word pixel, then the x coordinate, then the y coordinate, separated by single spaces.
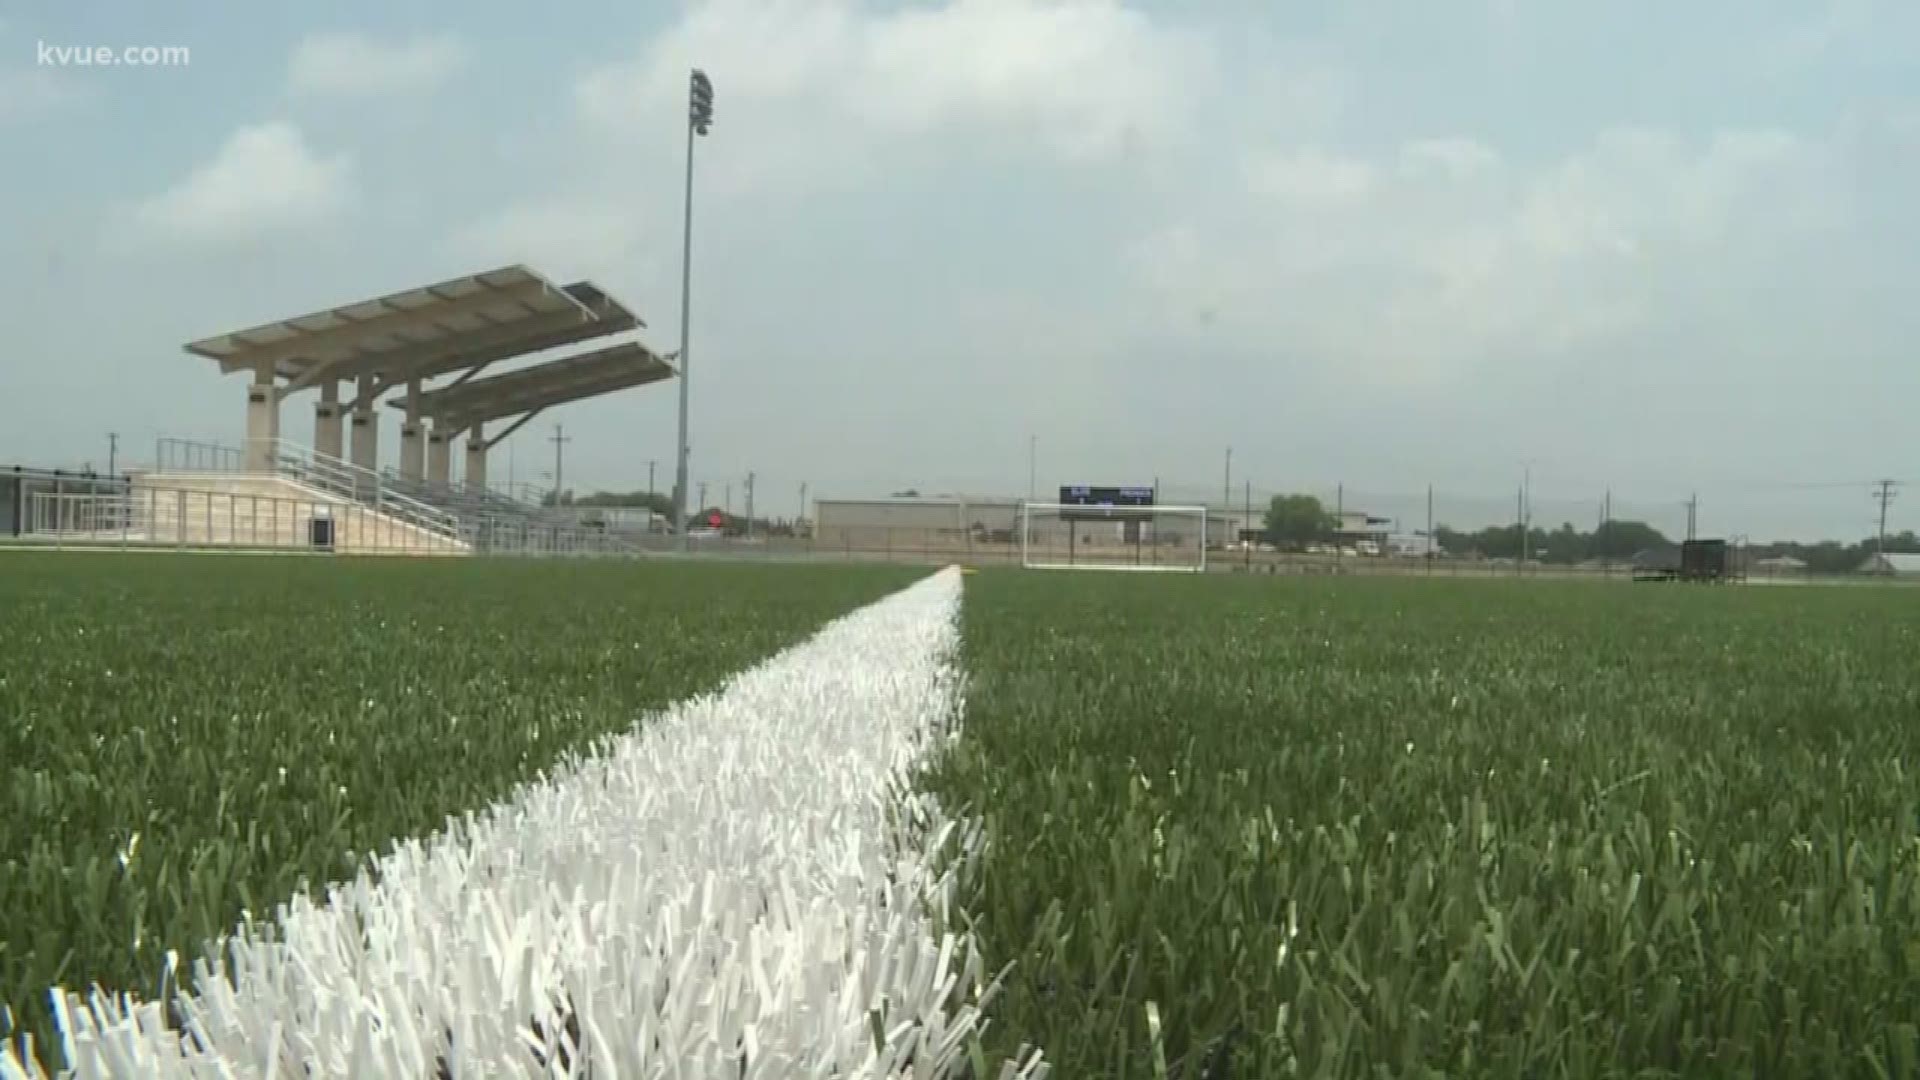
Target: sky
pixel 1664 250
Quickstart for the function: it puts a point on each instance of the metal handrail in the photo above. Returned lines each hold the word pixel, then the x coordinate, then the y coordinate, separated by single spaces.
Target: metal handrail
pixel 499 534
pixel 332 475
pixel 464 500
pixel 343 478
pixel 196 455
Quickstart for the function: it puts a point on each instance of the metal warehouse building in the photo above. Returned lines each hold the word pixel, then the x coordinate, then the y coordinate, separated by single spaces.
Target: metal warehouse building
pixel 955 521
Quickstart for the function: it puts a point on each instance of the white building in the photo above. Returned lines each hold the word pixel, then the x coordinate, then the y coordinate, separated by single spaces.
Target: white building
pixel 1892 565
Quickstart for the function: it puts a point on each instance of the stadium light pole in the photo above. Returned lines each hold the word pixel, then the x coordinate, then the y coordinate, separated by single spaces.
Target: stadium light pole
pixel 699 121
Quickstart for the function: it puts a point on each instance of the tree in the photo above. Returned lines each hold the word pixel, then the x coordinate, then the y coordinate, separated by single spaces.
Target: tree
pixel 1298 520
pixel 1564 546
pixel 1902 543
pixel 658 502
pixel 1619 541
pixel 1452 541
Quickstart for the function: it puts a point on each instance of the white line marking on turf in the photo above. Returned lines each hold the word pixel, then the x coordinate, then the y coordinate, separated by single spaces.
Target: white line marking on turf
pixel 743 887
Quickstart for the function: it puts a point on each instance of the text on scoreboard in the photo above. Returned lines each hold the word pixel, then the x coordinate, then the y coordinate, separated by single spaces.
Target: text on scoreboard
pixel 1085 495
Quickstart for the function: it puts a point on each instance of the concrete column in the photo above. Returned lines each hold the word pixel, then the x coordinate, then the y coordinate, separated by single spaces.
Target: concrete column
pixel 366 439
pixel 413 452
pixel 366 426
pixel 439 457
pixel 329 436
pixel 476 479
pixel 263 422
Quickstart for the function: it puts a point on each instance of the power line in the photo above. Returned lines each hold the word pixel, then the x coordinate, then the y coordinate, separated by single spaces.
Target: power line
pixel 1805 485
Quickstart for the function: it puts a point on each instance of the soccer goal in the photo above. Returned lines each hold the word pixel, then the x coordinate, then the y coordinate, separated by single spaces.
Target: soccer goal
pixel 1067 536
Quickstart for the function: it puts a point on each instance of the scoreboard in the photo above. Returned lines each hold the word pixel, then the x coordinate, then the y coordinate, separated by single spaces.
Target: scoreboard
pixel 1087 503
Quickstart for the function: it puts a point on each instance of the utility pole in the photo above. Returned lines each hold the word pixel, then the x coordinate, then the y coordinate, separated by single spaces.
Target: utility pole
pixel 1885 496
pixel 1693 510
pixel 803 505
pixel 1033 450
pixel 1605 538
pixel 1339 524
pixel 1520 516
pixel 703 496
pixel 1526 513
pixel 1226 486
pixel 113 453
pixel 699 120
pixel 1433 541
pixel 729 503
pixel 749 506
pixel 1246 542
pixel 560 440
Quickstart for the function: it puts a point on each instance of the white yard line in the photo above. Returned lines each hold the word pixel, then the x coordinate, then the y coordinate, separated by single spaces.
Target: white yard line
pixel 735 889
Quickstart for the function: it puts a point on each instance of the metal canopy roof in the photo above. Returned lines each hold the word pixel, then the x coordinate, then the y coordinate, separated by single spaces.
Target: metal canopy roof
pixel 588 374
pixel 324 342
pixel 472 351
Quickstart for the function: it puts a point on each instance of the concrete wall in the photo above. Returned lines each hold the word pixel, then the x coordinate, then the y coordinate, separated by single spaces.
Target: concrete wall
pixel 228 510
pixel 240 509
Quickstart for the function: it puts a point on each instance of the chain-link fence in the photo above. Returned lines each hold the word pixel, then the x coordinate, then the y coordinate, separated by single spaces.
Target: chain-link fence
pixel 240 513
pixel 1427 531
pixel 1438 531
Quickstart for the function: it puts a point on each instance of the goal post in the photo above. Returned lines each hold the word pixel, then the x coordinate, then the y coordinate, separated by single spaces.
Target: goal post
pixel 1069 536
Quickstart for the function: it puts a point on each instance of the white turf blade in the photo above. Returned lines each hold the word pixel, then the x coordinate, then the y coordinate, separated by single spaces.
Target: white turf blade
pixel 728 891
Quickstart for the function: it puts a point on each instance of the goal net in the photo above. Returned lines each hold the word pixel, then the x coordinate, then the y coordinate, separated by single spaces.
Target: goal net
pixel 1058 536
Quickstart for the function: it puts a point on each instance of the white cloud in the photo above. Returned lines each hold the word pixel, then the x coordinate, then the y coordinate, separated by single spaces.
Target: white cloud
pixel 1310 178
pixel 1450 158
pixel 1437 259
pixel 821 97
pixel 1080 78
pixel 28 92
pixel 355 65
pixel 572 238
pixel 264 177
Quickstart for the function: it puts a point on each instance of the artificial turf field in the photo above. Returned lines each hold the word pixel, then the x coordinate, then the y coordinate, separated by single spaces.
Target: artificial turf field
pixel 1235 826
